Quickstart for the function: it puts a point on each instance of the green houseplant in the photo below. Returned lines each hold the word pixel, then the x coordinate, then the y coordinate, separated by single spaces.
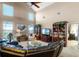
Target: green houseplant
pixel 71 37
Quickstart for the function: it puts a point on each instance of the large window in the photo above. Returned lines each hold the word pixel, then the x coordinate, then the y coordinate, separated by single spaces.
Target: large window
pixel 8 10
pixel 31 29
pixel 7 28
pixel 7 25
pixel 31 16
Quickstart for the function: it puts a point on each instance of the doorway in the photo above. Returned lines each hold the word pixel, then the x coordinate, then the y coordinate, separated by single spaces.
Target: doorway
pixel 73 35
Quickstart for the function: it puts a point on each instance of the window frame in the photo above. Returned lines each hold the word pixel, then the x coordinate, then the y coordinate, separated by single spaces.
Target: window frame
pixel 6 24
pixel 31 16
pixel 5 11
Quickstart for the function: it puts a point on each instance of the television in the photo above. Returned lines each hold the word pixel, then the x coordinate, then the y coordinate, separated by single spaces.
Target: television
pixel 46 31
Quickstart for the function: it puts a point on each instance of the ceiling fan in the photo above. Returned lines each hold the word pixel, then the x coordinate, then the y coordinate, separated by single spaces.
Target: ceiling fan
pixel 35 4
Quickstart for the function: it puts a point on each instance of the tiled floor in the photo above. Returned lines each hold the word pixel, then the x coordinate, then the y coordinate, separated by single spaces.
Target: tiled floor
pixel 72 50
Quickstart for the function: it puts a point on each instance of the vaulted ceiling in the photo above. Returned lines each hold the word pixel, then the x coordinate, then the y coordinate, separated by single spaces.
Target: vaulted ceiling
pixel 41 5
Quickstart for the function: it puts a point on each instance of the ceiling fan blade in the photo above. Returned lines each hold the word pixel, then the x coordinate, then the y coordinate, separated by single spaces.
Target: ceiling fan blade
pixel 37 6
pixel 33 3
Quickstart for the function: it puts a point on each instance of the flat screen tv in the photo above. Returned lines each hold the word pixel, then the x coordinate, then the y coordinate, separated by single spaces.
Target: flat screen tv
pixel 46 31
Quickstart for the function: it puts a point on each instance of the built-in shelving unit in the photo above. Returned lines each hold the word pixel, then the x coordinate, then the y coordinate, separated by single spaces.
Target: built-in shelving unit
pixel 60 31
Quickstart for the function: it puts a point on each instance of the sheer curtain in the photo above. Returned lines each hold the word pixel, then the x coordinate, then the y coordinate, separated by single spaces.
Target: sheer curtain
pixel 78 35
pixel 74 29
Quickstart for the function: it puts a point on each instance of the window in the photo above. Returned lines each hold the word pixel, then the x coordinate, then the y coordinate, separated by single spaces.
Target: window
pixel 7 10
pixel 31 16
pixel 7 28
pixel 74 29
pixel 31 29
pixel 7 25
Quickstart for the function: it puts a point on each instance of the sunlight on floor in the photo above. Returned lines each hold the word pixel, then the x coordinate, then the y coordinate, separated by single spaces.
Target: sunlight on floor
pixel 71 50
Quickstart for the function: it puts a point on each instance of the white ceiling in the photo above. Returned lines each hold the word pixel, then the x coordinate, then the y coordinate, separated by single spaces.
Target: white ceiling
pixel 41 5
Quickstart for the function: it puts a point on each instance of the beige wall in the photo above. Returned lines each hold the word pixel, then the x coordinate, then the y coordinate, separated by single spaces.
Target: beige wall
pixel 68 12
pixel 20 15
